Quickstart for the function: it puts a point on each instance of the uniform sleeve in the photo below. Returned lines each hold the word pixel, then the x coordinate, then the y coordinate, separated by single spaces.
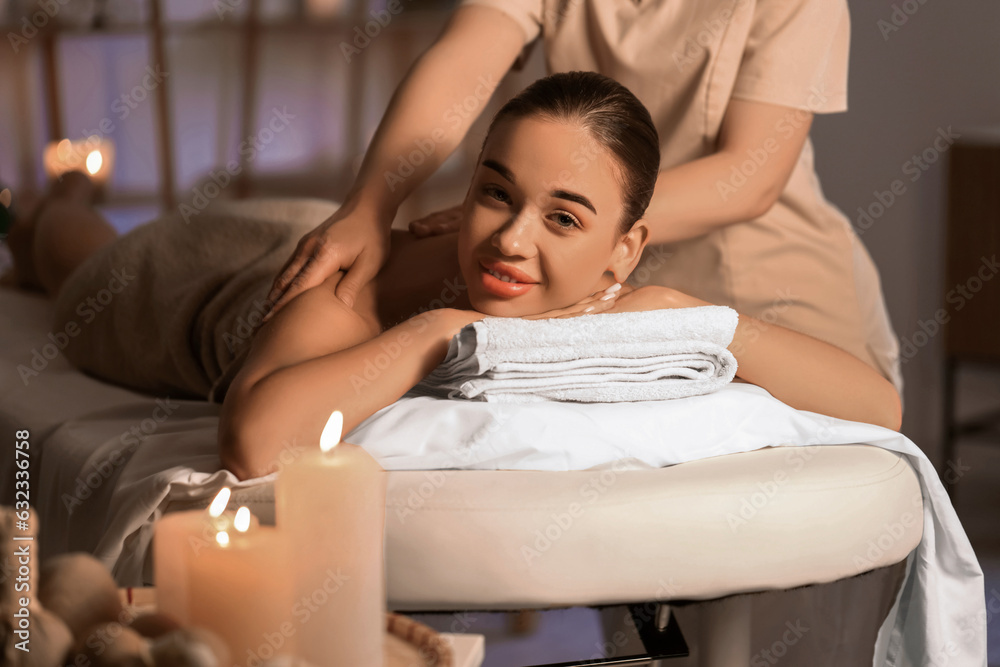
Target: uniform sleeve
pixel 527 14
pixel 796 55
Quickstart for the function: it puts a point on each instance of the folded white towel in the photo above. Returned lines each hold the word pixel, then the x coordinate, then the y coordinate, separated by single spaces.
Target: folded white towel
pixel 606 357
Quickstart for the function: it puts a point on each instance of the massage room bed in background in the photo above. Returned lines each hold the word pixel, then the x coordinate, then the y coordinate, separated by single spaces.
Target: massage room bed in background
pixel 456 539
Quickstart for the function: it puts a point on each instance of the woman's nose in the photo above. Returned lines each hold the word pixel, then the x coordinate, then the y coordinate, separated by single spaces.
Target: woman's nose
pixel 514 237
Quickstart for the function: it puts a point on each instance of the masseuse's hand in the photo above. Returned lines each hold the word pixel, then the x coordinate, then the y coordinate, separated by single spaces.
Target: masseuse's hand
pixel 354 239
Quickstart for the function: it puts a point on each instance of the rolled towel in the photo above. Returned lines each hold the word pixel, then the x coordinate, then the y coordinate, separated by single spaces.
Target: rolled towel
pixel 601 358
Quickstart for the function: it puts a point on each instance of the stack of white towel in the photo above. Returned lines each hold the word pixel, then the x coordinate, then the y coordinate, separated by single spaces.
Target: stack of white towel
pixel 601 358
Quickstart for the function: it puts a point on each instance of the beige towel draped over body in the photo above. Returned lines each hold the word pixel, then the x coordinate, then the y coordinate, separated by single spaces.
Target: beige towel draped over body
pixel 168 307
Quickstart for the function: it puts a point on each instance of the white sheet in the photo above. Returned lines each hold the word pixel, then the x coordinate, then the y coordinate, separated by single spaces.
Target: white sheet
pixel 939 616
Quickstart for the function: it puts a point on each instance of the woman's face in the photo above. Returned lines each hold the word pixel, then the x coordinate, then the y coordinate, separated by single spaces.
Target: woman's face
pixel 542 210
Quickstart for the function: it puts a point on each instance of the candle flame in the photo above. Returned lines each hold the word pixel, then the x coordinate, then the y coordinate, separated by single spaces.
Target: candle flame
pixel 222 537
pixel 242 520
pixel 218 505
pixel 94 162
pixel 332 431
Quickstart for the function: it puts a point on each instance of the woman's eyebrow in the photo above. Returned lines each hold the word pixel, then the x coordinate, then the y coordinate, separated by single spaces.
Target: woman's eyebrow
pixel 559 194
pixel 500 169
pixel 572 196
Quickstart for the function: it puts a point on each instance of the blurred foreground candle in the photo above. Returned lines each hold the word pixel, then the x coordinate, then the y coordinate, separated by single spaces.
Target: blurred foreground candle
pixel 240 590
pixel 330 503
pixel 177 538
pixel 94 156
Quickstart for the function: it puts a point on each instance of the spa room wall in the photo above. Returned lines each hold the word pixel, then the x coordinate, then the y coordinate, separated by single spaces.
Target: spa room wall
pixel 937 70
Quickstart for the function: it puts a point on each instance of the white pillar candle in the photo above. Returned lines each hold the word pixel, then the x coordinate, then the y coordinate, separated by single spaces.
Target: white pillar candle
pixel 239 589
pixel 330 503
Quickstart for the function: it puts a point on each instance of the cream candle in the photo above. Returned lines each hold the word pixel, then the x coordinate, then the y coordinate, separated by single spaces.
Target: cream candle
pixel 330 503
pixel 239 590
pixel 177 538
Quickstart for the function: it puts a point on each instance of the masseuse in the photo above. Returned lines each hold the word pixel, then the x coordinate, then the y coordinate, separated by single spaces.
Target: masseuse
pixel 737 217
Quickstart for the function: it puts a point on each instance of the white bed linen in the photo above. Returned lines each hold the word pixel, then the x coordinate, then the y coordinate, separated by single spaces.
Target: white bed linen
pixel 939 616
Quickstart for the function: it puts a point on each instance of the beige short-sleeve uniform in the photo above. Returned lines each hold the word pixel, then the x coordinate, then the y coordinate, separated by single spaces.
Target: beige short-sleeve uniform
pixel 800 265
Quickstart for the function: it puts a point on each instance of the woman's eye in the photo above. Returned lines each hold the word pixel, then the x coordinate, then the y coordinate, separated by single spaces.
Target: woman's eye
pixel 566 220
pixel 493 192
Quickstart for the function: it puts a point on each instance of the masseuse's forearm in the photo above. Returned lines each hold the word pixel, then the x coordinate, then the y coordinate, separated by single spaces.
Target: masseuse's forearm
pixel 434 106
pixel 808 374
pixel 292 404
pixel 698 197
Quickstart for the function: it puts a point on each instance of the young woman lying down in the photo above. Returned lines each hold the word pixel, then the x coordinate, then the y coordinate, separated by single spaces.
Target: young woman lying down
pixel 552 226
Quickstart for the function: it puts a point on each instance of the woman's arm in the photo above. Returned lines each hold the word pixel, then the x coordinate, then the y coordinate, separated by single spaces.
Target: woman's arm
pixel 427 117
pixel 759 145
pixel 797 369
pixel 316 356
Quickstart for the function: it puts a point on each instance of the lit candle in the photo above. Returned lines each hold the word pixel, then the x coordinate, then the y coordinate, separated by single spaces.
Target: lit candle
pixel 324 9
pixel 93 156
pixel 330 503
pixel 239 589
pixel 177 538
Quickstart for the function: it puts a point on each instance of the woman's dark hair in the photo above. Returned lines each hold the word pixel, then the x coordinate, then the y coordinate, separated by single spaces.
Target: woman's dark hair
pixel 612 115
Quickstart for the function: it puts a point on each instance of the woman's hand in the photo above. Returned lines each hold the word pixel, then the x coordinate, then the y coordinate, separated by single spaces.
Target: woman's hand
pixel 439 222
pixel 355 239
pixel 597 302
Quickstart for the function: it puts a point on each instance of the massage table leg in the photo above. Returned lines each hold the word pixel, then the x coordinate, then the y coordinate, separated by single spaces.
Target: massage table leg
pixel 725 633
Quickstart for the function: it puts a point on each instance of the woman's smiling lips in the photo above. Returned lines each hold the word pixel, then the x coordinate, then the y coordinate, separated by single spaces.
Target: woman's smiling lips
pixel 513 283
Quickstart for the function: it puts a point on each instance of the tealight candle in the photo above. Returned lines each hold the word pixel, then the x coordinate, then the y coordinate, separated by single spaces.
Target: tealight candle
pixel 330 503
pixel 93 155
pixel 239 590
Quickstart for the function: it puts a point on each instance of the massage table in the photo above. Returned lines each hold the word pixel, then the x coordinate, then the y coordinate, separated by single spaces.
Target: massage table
pixel 468 539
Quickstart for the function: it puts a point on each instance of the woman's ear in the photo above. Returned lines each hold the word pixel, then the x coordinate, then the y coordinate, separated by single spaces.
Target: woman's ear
pixel 628 250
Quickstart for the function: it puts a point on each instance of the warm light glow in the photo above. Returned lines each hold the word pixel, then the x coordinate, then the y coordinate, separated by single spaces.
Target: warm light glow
pixel 242 520
pixel 94 162
pixel 332 431
pixel 218 505
pixel 222 537
pixel 64 149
